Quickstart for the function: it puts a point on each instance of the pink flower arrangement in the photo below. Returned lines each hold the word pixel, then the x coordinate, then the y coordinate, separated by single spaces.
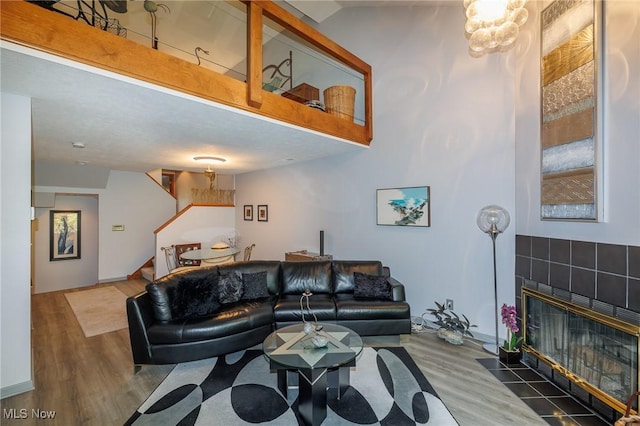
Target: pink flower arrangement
pixel 508 314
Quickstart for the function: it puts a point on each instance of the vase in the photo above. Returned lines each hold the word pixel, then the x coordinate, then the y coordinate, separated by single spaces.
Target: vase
pixel 450 336
pixel 509 357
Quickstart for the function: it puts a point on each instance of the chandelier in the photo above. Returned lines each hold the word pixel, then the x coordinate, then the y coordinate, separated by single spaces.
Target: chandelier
pixel 493 24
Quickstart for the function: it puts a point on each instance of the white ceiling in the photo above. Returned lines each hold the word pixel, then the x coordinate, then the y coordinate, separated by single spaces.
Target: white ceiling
pixel 129 125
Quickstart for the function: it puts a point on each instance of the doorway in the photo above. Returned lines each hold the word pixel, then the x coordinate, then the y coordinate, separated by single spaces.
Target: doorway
pixel 65 273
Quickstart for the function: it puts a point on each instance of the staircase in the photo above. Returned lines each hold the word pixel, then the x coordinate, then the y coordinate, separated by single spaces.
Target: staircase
pixel 146 271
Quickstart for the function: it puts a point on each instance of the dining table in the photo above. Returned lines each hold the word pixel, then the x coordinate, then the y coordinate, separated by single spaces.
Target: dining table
pixel 212 255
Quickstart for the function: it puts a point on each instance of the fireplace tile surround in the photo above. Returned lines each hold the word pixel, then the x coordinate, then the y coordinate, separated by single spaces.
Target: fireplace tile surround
pixel 607 273
pixel 599 276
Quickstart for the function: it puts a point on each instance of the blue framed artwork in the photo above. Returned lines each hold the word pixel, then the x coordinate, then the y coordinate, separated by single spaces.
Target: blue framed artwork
pixel 408 206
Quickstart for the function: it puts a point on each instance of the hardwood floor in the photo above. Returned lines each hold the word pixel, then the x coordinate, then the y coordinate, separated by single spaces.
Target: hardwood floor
pixel 90 381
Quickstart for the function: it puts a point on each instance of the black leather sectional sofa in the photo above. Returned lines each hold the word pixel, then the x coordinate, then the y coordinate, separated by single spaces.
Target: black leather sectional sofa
pixel 212 311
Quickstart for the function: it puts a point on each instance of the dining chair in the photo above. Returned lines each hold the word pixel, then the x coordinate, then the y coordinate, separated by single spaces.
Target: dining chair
pixel 181 248
pixel 170 257
pixel 174 263
pixel 247 252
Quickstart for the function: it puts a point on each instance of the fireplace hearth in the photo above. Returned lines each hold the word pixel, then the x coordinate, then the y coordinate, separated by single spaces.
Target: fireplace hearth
pixel 596 353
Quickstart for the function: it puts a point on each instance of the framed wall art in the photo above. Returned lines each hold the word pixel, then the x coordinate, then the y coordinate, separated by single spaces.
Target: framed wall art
pixel 404 206
pixel 569 67
pixel 248 212
pixel 263 213
pixel 64 234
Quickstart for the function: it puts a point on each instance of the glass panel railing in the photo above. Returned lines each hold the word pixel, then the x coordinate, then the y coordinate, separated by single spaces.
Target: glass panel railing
pixel 212 34
pixel 310 76
pixel 284 56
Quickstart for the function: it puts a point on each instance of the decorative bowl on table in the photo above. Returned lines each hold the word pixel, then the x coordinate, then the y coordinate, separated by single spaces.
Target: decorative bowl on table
pixel 220 246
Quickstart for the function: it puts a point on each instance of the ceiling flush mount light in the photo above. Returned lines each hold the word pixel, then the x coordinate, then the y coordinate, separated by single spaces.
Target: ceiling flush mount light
pixel 209 161
pixel 78 145
pixel 493 24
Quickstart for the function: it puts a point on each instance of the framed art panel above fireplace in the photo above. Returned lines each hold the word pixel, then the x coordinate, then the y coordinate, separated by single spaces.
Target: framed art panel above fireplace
pixel 570 113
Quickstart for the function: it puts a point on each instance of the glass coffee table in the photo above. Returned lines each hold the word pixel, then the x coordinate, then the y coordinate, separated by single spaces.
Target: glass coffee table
pixel 290 348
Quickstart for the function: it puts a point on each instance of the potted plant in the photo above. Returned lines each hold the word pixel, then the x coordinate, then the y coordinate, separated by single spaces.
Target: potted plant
pixel 452 326
pixel 509 352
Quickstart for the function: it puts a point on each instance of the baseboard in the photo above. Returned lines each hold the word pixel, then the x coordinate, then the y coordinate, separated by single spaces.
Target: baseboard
pixel 16 389
pixel 110 280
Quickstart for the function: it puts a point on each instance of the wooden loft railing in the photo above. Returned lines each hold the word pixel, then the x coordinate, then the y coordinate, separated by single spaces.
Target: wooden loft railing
pixel 35 27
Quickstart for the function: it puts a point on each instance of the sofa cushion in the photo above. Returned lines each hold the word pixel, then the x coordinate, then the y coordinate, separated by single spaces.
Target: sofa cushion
pixel 271 266
pixel 348 308
pixel 229 320
pixel 372 287
pixel 230 287
pixel 194 297
pixel 287 308
pixel 343 273
pixel 299 276
pixel 162 291
pixel 255 285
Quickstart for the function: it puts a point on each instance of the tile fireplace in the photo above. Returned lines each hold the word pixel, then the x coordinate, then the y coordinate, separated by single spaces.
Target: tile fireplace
pixel 594 351
pixel 586 293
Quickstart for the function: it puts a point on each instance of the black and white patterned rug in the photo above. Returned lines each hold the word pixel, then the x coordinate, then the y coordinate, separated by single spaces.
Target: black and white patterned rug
pixel 386 388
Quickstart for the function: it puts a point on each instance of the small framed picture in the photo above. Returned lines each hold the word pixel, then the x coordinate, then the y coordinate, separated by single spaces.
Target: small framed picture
pixel 248 212
pixel 404 206
pixel 263 213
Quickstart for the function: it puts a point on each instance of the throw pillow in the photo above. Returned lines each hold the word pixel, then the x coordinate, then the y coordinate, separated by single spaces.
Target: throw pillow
pixel 371 287
pixel 230 287
pixel 255 285
pixel 194 297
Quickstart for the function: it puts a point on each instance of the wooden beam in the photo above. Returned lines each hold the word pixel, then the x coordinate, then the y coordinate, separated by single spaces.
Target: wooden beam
pixel 327 46
pixel 254 54
pixel 30 25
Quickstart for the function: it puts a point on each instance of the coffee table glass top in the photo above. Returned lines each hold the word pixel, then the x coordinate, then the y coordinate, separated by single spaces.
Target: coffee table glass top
pixel 291 347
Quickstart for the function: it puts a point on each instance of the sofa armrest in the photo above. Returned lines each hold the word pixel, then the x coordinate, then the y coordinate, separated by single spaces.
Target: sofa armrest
pixel 398 290
pixel 140 317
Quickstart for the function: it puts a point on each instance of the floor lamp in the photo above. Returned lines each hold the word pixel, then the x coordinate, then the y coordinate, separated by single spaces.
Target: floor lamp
pixel 493 220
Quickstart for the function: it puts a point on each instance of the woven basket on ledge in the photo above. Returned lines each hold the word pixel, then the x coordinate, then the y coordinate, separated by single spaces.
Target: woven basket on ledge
pixel 340 101
pixel 629 420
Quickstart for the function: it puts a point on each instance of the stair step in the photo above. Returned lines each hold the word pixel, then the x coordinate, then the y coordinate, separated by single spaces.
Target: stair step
pixel 147 273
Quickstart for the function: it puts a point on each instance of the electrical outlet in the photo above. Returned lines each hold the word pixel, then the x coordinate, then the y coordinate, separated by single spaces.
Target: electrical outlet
pixel 449 304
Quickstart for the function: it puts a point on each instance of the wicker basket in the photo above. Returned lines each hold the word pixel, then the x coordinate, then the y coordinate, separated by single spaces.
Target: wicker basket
pixel 340 101
pixel 628 419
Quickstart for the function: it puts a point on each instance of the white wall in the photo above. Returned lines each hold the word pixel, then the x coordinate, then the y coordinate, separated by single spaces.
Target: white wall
pixel 217 224
pixel 136 201
pixel 186 181
pixel 15 237
pixel 441 118
pixel 621 144
pixel 72 273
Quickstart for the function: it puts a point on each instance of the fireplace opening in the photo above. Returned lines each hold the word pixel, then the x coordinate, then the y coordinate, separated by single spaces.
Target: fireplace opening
pixel 593 351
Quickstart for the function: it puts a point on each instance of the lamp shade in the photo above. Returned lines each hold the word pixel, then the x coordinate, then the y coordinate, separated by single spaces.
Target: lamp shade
pixel 493 219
